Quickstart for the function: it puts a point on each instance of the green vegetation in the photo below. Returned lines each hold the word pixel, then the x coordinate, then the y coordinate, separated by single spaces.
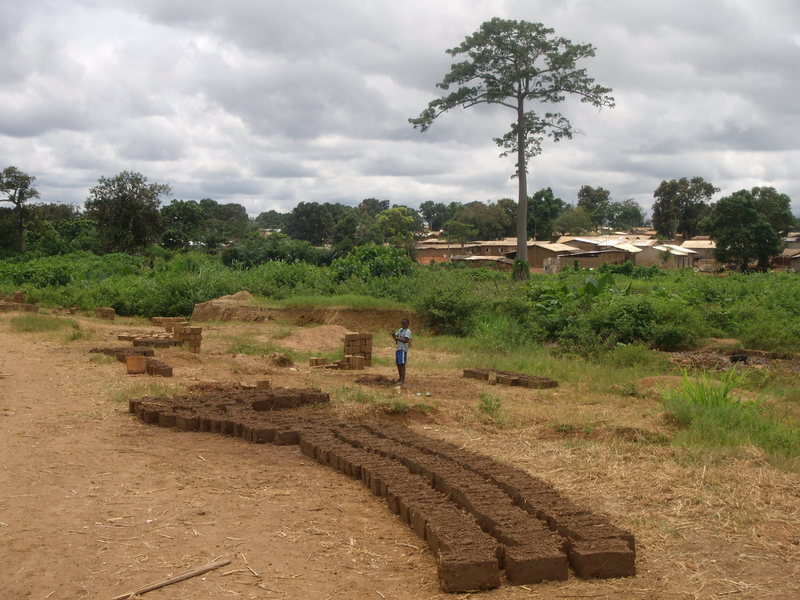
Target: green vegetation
pixel 606 317
pixel 491 406
pixel 709 414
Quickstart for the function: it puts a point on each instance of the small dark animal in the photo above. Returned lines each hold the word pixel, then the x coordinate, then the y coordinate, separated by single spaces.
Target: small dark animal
pixel 738 358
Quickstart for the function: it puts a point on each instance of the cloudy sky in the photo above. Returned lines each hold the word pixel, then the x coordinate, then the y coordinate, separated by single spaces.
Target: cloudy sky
pixel 272 102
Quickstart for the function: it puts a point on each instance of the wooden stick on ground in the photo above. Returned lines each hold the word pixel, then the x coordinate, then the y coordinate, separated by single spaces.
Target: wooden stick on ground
pixel 169 581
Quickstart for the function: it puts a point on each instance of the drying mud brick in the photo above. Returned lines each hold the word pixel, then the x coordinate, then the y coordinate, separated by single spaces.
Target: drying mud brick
pixel 479 517
pixel 509 378
pixel 539 499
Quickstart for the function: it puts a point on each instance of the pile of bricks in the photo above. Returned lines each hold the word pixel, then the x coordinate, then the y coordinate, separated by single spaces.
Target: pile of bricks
pixel 357 354
pixel 358 345
pixel 168 322
pixel 156 340
pixel 104 312
pixel 189 336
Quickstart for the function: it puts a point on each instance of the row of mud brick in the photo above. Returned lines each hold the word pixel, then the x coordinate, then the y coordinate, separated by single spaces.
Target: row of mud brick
pixel 495 376
pixel 479 517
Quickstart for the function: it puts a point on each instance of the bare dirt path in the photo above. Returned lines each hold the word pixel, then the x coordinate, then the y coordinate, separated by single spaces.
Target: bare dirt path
pixel 94 503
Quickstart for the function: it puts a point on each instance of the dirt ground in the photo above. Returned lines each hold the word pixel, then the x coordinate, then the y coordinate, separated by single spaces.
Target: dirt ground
pixel 94 503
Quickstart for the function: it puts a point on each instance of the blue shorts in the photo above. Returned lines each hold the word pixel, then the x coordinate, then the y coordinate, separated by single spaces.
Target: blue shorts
pixel 400 357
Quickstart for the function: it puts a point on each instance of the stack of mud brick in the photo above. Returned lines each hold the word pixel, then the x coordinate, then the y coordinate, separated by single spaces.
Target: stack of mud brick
pixel 358 345
pixel 104 312
pixel 168 322
pixel 189 336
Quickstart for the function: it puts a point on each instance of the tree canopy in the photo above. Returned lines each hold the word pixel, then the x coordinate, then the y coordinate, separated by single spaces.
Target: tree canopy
pixel 514 64
pixel 681 205
pixel 126 210
pixel 17 188
pixel 741 232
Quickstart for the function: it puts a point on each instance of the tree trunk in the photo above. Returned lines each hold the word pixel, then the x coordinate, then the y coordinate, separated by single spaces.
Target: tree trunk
pixel 20 229
pixel 522 199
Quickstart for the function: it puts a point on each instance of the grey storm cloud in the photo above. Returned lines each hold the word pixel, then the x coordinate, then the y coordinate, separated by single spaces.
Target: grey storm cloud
pixel 271 103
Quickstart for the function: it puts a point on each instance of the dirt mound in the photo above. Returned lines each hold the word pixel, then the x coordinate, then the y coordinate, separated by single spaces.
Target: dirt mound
pixel 478 516
pixel 323 338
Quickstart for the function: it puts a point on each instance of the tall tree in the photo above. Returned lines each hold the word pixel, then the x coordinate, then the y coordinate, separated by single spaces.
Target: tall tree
pixel 513 64
pixel 17 188
pixel 543 209
pixel 742 233
pixel 595 201
pixel 126 210
pixel 681 205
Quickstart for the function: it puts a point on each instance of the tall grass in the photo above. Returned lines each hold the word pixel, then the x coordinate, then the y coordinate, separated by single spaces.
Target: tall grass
pixel 709 414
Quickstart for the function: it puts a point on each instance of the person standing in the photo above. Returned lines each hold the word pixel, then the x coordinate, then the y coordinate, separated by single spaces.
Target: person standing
pixel 402 338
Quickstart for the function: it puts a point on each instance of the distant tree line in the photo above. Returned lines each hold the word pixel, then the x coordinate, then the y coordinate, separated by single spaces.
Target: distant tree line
pixel 124 213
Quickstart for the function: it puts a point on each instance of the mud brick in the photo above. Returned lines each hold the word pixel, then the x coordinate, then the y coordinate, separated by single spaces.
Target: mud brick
pixel 352 337
pixel 286 437
pixel 357 362
pixel 262 435
pixel 133 404
pixel 602 558
pixel 463 572
pixel 162 370
pixel 205 424
pixel 148 415
pixel 481 374
pixel 507 380
pixel 317 361
pixel 534 564
pixel 187 422
pixel 166 419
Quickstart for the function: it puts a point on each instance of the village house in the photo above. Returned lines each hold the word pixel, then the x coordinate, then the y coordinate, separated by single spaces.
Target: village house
pixel 705 260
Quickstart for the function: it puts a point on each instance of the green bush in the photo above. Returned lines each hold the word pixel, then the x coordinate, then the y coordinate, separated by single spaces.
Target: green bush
pixel 372 260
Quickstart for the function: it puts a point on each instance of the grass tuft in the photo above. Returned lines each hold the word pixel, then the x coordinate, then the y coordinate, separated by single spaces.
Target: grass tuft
pixel 708 414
